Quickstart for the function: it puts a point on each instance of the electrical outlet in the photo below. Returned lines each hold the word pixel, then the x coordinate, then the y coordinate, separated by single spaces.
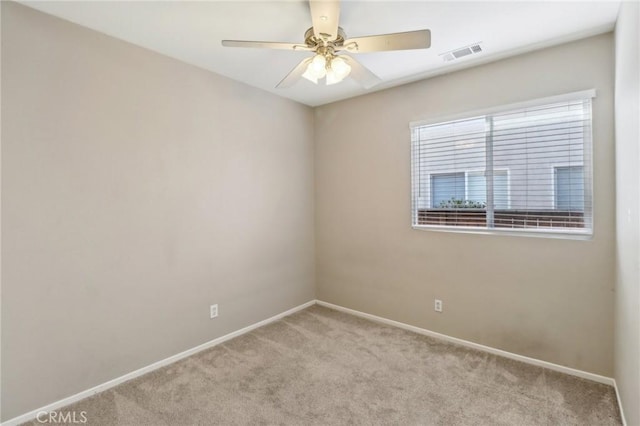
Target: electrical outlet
pixel 213 311
pixel 438 305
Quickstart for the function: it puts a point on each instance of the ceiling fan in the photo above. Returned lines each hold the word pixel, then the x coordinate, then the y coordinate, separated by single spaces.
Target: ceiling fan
pixel 326 39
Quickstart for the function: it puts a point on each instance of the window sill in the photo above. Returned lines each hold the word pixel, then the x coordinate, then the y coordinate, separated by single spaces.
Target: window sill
pixel 558 234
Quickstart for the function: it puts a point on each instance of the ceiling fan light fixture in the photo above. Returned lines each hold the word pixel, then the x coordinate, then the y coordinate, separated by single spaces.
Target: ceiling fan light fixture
pixel 340 67
pixel 317 67
pixel 332 77
pixel 337 70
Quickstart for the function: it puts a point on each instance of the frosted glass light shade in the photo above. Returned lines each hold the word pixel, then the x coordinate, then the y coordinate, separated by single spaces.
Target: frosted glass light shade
pixel 340 67
pixel 332 78
pixel 337 71
pixel 317 67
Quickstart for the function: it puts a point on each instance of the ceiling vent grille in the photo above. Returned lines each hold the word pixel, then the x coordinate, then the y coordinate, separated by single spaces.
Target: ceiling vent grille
pixel 462 52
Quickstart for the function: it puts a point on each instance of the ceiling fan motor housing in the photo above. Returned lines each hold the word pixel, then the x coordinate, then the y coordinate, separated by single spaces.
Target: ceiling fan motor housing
pixel 312 41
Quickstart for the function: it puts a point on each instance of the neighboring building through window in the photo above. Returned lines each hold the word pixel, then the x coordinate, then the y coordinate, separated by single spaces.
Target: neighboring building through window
pixel 470 186
pixel 524 169
pixel 446 187
pixel 569 188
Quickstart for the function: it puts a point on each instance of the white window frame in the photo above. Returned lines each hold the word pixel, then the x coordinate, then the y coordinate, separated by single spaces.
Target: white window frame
pixel 528 232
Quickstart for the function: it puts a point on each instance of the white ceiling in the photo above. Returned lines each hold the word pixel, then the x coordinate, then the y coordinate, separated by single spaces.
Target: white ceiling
pixel 192 31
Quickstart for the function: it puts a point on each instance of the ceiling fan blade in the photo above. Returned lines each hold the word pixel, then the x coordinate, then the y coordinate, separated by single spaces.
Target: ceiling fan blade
pixel 295 74
pixel 420 39
pixel 265 45
pixel 325 15
pixel 361 74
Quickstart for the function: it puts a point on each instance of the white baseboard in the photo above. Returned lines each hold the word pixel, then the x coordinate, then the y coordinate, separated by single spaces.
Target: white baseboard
pixel 522 358
pixel 615 386
pixel 139 372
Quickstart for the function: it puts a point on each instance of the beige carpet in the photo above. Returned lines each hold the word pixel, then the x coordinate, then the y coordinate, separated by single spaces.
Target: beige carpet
pixel 322 367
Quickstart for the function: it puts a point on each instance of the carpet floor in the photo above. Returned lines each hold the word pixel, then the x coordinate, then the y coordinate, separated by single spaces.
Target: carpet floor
pixel 323 367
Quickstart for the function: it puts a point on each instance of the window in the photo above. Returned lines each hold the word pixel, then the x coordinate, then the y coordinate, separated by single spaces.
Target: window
pixel 521 169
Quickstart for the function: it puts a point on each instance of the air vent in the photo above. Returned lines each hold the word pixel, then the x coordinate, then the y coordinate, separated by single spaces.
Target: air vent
pixel 461 52
pixel 448 57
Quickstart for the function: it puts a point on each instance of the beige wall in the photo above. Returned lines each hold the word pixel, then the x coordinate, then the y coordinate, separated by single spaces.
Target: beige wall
pixel 627 113
pixel 550 299
pixel 137 191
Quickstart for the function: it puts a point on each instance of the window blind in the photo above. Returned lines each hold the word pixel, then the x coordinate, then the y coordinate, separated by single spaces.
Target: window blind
pixel 527 169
